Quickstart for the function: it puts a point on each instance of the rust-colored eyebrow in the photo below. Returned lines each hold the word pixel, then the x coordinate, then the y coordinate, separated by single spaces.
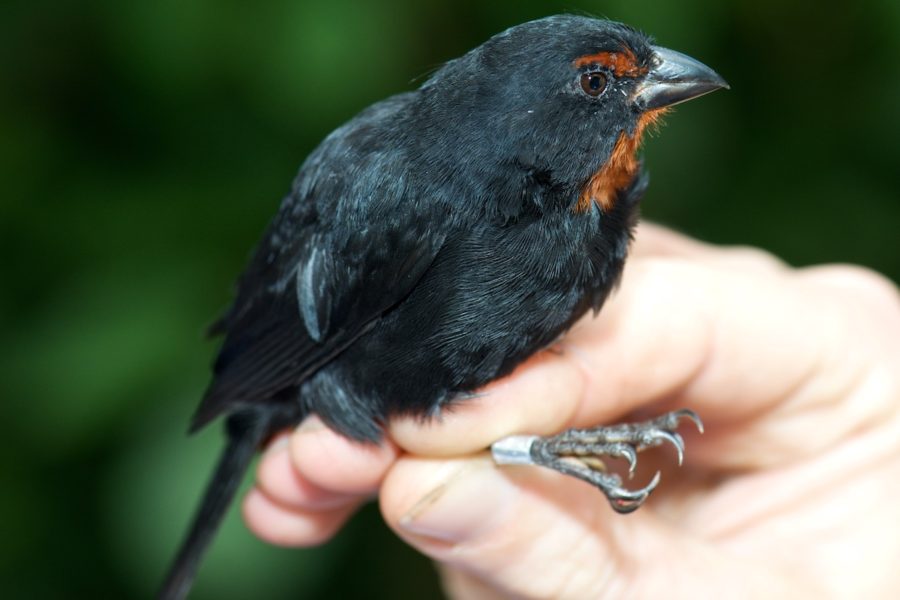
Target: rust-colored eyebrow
pixel 622 63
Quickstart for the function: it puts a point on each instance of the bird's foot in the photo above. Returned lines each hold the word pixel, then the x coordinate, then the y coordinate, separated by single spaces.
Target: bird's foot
pixel 578 452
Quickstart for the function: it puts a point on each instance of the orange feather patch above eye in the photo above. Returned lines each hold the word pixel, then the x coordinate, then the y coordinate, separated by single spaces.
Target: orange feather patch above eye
pixel 622 63
pixel 618 171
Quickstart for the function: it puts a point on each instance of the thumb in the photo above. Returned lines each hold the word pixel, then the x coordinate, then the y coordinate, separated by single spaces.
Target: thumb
pixel 530 533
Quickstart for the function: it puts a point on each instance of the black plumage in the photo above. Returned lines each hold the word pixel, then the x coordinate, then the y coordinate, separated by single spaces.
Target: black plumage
pixel 431 244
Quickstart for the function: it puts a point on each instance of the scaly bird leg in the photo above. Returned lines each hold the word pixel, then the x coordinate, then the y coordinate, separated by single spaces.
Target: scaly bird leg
pixel 578 452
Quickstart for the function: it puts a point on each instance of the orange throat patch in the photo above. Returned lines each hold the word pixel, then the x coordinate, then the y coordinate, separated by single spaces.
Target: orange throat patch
pixel 617 172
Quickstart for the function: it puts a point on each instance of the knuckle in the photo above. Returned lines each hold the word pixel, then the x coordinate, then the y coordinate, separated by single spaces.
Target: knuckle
pixel 753 256
pixel 863 282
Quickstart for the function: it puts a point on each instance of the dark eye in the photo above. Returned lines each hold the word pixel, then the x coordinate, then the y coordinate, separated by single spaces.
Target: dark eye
pixel 593 83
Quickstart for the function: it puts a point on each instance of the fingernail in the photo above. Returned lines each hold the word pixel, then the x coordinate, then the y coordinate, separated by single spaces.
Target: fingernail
pixel 467 503
pixel 310 424
pixel 281 441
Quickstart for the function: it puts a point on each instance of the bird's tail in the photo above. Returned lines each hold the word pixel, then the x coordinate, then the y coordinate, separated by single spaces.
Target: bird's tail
pixel 246 431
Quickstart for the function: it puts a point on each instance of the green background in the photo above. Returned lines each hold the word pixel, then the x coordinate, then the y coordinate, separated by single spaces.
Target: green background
pixel 144 145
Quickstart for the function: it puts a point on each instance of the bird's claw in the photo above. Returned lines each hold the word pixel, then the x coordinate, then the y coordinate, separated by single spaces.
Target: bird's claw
pixel 578 452
pixel 626 501
pixel 675 439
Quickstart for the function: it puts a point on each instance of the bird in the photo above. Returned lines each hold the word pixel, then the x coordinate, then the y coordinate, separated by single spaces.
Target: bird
pixel 437 240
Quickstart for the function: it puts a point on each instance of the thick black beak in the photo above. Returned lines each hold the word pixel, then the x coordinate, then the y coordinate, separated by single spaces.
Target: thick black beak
pixel 674 78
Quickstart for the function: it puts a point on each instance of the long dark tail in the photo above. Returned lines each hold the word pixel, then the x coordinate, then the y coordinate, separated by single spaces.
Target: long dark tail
pixel 246 431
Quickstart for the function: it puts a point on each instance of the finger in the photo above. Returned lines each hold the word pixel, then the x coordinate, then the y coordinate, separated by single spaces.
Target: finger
pixel 281 482
pixel 285 526
pixel 759 354
pixel 878 292
pixel 462 584
pixel 334 463
pixel 310 482
pixel 656 241
pixel 501 527
pixel 506 525
pixel 703 333
pixel 540 397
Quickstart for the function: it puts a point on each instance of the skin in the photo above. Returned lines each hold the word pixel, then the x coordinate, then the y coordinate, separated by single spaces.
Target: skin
pixel 791 491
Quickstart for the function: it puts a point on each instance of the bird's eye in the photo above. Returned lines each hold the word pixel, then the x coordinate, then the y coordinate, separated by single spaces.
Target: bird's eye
pixel 593 83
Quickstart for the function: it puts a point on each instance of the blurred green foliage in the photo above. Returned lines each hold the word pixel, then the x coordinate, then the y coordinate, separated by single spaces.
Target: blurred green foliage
pixel 144 145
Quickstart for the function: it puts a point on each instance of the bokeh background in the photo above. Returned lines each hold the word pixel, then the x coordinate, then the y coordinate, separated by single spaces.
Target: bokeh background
pixel 144 145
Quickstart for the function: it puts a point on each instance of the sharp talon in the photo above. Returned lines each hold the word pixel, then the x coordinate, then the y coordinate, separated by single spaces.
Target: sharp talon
pixel 631 456
pixel 624 507
pixel 676 441
pixel 691 416
pixel 620 494
pixel 624 501
pixel 639 494
pixel 653 483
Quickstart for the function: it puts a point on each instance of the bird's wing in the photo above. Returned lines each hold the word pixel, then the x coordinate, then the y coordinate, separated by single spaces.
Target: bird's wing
pixel 290 320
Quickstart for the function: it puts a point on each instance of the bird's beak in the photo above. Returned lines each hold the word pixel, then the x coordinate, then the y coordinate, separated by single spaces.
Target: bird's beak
pixel 674 78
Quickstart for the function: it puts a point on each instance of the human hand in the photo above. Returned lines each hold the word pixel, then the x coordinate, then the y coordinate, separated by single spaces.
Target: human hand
pixel 792 490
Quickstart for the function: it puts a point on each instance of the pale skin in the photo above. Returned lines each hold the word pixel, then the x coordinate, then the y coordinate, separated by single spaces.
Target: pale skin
pixel 793 491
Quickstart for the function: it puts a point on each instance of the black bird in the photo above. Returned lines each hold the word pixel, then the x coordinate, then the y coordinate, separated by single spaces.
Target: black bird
pixel 440 238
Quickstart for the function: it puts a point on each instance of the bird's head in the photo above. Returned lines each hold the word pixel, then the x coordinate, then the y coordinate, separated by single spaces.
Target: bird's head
pixel 564 98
